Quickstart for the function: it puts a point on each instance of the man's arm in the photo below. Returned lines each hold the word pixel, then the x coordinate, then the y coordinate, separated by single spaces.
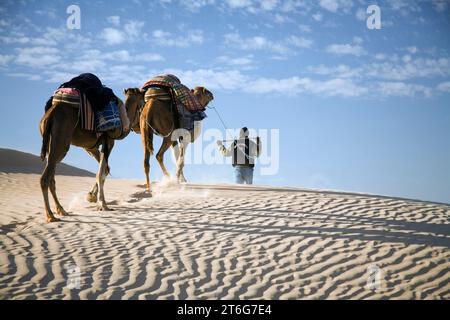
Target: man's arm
pixel 224 151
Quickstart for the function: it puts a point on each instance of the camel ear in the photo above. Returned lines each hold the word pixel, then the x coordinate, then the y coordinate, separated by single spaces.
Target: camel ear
pixel 125 91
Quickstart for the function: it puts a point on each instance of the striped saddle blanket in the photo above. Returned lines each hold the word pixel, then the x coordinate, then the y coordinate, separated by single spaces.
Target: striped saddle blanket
pixel 181 95
pixel 107 119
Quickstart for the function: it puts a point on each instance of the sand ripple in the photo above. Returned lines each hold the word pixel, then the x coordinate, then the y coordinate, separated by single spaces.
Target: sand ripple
pixel 221 242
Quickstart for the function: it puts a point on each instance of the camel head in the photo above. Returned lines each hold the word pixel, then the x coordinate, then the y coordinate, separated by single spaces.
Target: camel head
pixel 134 100
pixel 203 95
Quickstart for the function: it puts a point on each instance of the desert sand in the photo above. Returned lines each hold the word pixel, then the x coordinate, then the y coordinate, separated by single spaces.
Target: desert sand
pixel 219 242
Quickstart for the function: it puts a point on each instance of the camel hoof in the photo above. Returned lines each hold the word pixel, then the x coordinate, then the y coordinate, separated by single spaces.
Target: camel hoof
pixel 103 208
pixel 52 219
pixel 62 212
pixel 91 197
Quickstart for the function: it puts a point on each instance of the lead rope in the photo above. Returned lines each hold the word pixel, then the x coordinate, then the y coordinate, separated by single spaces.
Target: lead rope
pixel 238 145
pixel 220 118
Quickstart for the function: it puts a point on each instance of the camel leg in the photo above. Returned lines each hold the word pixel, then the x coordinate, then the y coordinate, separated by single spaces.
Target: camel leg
pixel 47 176
pixel 92 195
pixel 59 209
pixel 167 142
pixel 177 154
pixel 180 161
pixel 147 168
pixel 101 176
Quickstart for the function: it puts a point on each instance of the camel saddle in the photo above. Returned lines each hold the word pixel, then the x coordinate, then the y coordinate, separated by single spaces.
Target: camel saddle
pixel 184 117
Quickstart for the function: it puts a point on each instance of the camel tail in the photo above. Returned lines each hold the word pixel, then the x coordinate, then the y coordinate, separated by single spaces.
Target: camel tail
pixel 45 126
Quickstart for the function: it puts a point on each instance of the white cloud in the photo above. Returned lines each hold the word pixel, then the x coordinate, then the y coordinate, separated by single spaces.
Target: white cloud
pixel 304 28
pixel 317 16
pixel 409 69
pixel 440 5
pixel 412 49
pixel 281 47
pixel 164 38
pixel 269 5
pixel 296 85
pixel 5 59
pixel 335 5
pixel 361 14
pixel 402 89
pixel 112 36
pixel 340 71
pixel 239 3
pixel 299 42
pixel 37 56
pixel 244 61
pixel 133 28
pixel 28 76
pixel 131 33
pixel 444 86
pixel 343 49
pixel 194 5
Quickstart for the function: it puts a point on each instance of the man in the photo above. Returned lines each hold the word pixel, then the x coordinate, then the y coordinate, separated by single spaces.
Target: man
pixel 244 151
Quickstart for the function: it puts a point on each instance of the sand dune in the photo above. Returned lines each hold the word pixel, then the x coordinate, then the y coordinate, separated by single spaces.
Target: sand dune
pixel 13 161
pixel 208 242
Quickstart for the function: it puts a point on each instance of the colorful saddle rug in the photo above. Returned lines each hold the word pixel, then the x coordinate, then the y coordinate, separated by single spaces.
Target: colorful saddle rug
pixel 100 121
pixel 181 95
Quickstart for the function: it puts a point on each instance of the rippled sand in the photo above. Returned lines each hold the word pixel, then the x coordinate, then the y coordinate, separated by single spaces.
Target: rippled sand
pixel 219 241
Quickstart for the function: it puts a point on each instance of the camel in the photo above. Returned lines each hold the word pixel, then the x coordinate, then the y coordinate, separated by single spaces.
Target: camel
pixel 159 117
pixel 60 128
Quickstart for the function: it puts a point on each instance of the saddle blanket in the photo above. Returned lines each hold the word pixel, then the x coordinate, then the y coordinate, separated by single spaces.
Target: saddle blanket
pixel 73 97
pixel 181 94
pixel 100 121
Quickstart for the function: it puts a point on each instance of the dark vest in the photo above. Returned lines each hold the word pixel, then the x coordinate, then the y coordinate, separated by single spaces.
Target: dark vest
pixel 241 153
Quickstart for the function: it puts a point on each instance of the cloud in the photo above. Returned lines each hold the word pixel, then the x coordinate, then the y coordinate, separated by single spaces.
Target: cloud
pixel 444 86
pixel 299 42
pixel 361 14
pixel 130 33
pixel 269 5
pixel 335 5
pixel 402 89
pixel 5 59
pixel 244 61
pixel 282 47
pixel 37 56
pixel 238 3
pixel 297 85
pixel 409 69
pixel 112 36
pixel 317 16
pixel 340 71
pixel 194 5
pixel 346 49
pixel 440 5
pixel 164 38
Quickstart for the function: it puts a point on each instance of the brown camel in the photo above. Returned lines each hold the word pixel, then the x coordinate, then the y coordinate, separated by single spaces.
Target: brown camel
pixel 60 128
pixel 160 117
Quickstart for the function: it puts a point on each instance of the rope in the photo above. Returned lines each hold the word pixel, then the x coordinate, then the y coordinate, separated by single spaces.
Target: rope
pixel 238 145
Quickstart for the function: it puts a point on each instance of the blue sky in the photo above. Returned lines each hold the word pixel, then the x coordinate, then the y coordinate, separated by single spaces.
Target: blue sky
pixel 357 109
